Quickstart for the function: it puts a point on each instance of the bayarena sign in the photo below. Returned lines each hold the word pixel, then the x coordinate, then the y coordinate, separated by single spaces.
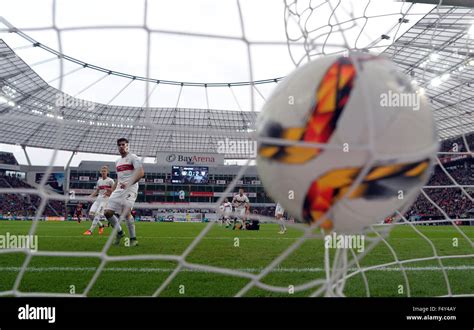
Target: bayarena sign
pixel 189 159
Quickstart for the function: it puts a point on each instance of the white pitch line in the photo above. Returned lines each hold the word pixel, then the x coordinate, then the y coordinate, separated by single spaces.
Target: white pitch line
pixel 249 270
pixel 230 238
pixel 178 237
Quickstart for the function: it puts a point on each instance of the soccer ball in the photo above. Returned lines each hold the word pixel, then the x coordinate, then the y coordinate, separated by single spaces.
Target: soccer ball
pixel 375 135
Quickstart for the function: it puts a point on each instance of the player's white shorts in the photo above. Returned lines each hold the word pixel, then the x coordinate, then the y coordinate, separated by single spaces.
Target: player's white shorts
pixel 121 199
pixel 279 210
pixel 240 211
pixel 227 213
pixel 99 206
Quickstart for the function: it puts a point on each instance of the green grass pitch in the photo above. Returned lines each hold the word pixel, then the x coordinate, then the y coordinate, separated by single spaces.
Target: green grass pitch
pixel 256 250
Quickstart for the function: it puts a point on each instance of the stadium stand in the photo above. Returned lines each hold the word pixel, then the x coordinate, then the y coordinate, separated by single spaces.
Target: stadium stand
pixel 22 206
pixel 451 199
pixel 8 158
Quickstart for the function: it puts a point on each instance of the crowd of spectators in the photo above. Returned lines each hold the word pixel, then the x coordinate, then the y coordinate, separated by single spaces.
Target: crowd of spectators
pixel 450 198
pixel 7 158
pixel 23 204
pixel 448 145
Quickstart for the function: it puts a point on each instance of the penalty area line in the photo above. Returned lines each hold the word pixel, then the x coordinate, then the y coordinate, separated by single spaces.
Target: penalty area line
pixel 249 270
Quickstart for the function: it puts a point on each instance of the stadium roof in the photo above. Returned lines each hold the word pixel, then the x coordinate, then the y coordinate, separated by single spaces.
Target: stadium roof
pixel 439 54
pixel 436 52
pixel 28 118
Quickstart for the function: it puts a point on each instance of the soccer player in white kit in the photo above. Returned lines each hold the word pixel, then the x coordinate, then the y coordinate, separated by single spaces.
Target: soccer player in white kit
pixel 103 189
pixel 129 170
pixel 279 211
pixel 241 203
pixel 226 211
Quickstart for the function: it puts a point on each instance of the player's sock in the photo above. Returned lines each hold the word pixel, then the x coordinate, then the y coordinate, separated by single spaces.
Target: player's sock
pixel 115 222
pixel 282 225
pixel 95 222
pixel 131 227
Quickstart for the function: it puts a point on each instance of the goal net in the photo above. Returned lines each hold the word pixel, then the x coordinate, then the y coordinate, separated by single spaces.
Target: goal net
pixel 431 42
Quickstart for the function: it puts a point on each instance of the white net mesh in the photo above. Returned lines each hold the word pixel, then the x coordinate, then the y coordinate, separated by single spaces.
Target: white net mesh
pixel 313 28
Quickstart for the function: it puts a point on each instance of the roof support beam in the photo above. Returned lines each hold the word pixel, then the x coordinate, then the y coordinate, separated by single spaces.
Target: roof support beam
pixel 459 3
pixel 26 154
pixel 67 174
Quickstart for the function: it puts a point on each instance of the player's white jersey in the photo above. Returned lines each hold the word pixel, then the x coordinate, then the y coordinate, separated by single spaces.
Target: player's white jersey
pixel 279 209
pixel 240 201
pixel 125 167
pixel 227 207
pixel 103 185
